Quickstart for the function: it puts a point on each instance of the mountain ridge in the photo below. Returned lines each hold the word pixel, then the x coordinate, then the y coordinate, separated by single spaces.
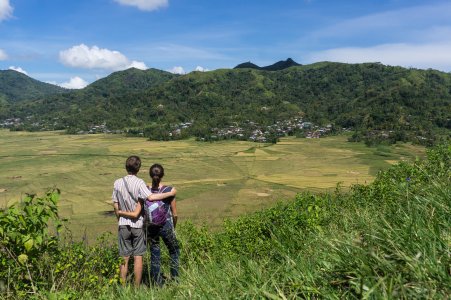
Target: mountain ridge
pixel 16 86
pixel 280 65
pixel 368 97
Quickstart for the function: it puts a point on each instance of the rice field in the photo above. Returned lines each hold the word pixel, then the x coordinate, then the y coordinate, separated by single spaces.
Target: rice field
pixel 214 180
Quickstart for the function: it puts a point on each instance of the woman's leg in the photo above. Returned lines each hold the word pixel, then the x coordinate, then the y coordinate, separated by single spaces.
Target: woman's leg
pixel 153 235
pixel 170 240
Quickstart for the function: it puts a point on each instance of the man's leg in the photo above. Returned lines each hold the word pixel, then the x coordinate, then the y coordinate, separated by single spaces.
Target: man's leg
pixel 139 249
pixel 138 269
pixel 125 250
pixel 123 269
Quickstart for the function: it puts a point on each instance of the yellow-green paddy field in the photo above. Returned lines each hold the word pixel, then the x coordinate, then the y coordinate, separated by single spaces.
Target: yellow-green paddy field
pixel 214 180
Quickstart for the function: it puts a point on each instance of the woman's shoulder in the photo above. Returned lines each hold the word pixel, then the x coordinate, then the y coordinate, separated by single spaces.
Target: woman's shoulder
pixel 162 189
pixel 166 188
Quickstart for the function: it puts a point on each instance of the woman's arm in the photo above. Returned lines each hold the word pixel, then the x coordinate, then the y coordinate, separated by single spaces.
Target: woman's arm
pixel 174 212
pixel 116 209
pixel 156 197
pixel 131 214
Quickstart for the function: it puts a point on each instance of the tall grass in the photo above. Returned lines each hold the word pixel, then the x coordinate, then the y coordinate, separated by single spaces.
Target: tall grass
pixel 386 240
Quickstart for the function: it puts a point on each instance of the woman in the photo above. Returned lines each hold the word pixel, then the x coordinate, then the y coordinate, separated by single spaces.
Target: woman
pixel 165 231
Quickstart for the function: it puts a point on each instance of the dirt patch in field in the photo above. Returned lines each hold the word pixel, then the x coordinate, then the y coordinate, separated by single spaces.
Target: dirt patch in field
pixel 48 152
pixel 3 190
pixel 261 158
pixel 263 194
pixel 245 154
pixel 353 172
pixel 16 177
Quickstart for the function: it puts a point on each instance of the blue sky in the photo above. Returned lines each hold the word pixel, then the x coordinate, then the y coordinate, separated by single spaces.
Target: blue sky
pixel 73 43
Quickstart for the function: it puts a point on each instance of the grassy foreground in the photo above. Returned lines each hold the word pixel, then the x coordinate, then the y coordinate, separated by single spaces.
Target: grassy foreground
pixel 388 239
pixel 214 180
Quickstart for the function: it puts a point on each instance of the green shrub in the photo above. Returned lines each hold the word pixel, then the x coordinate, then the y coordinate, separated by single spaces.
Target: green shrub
pixel 26 241
pixel 34 260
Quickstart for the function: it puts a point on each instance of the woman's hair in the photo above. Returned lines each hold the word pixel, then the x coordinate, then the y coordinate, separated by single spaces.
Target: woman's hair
pixel 156 172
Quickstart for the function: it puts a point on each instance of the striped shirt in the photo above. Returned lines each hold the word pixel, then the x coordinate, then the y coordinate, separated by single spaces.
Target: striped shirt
pixel 138 189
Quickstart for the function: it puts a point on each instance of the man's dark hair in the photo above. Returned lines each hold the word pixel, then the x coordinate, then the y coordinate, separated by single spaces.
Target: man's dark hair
pixel 133 164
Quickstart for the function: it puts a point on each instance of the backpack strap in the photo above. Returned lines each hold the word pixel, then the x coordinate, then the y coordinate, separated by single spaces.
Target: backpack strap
pixel 162 189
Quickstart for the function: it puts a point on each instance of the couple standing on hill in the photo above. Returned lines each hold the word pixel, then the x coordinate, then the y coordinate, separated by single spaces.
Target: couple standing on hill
pixel 130 195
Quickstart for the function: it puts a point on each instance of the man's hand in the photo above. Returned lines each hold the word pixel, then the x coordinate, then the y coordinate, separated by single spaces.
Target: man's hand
pixel 155 197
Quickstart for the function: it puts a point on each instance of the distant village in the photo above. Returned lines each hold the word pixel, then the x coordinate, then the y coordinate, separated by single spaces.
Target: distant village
pixel 248 130
pixel 8 123
pixel 252 131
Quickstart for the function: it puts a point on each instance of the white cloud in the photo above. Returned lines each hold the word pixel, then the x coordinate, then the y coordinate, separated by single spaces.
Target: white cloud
pixel 175 52
pixel 18 69
pixel 417 36
pixel 201 69
pixel 3 55
pixel 74 83
pixel 147 5
pixel 138 65
pixel 82 56
pixel 6 10
pixel 413 30
pixel 401 24
pixel 177 70
pixel 423 56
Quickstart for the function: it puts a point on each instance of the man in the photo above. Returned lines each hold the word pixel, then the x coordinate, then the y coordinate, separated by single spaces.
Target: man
pixel 131 240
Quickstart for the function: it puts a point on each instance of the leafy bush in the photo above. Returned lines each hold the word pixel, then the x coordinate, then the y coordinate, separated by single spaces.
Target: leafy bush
pixel 26 240
pixel 34 259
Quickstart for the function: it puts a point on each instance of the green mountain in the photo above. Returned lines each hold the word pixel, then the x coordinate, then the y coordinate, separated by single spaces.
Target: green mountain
pixel 129 81
pixel 106 100
pixel 16 86
pixel 280 65
pixel 375 100
pixel 247 65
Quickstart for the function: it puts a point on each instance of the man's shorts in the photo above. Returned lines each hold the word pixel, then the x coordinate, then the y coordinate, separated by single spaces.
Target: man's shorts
pixel 131 241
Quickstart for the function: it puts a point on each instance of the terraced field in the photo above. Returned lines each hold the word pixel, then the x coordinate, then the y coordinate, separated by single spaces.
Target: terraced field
pixel 214 180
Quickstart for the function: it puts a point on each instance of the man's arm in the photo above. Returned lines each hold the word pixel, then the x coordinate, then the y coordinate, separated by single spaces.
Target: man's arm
pixel 156 197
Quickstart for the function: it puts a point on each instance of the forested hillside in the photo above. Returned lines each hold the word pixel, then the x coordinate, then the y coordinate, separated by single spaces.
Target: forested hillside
pixel 376 101
pixel 15 86
pixel 128 81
